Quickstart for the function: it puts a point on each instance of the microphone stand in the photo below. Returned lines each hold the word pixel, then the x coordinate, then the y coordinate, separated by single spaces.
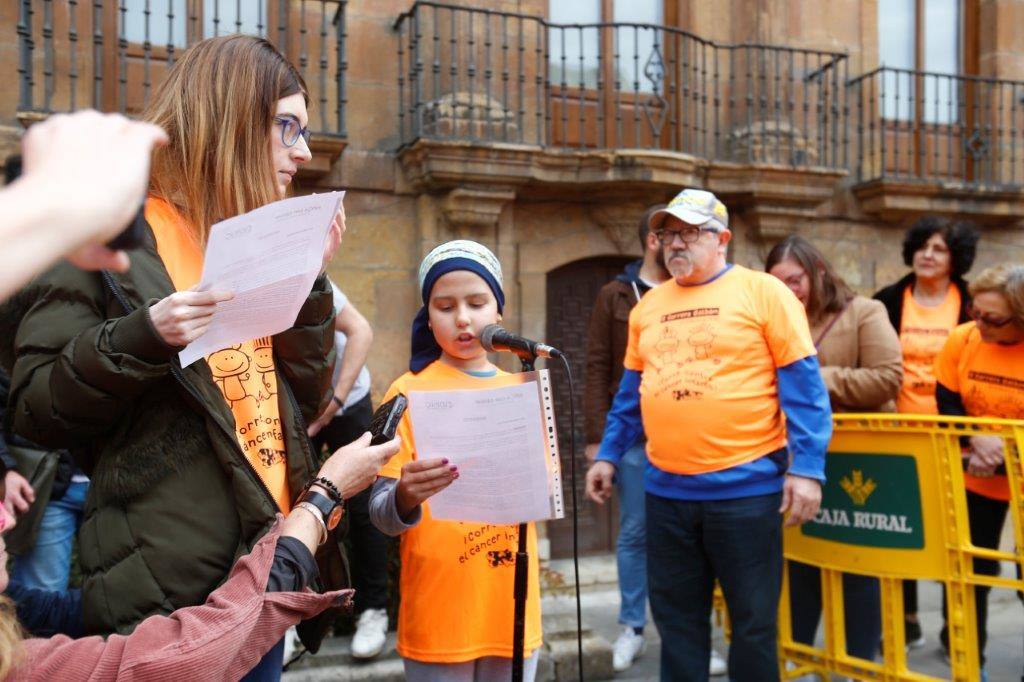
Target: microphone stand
pixel 522 574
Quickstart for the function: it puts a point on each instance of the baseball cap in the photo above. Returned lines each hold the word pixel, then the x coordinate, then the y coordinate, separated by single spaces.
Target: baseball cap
pixel 693 207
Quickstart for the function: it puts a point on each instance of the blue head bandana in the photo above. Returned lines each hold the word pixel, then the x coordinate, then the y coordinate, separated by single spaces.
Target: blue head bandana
pixel 460 254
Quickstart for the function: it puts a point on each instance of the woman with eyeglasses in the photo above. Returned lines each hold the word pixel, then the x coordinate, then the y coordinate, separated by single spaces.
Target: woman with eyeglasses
pixel 980 373
pixel 924 307
pixel 861 363
pixel 189 466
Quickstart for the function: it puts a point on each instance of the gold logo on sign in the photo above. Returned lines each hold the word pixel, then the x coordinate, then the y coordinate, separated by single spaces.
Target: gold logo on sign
pixel 857 488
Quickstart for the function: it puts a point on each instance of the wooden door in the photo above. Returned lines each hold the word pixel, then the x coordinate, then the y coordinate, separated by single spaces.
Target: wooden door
pixel 571 292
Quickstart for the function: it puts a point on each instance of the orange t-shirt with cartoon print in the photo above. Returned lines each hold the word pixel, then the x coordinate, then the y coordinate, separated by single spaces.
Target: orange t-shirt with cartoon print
pixel 244 373
pixel 990 380
pixel 923 332
pixel 709 353
pixel 457 577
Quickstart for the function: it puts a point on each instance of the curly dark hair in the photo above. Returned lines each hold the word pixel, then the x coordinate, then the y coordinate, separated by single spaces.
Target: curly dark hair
pixel 961 238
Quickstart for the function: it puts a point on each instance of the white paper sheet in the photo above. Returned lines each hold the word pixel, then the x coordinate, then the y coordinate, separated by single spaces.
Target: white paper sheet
pixel 499 438
pixel 269 258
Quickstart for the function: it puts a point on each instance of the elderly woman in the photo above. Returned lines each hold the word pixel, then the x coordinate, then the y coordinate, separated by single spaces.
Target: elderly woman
pixel 980 373
pixel 924 307
pixel 861 364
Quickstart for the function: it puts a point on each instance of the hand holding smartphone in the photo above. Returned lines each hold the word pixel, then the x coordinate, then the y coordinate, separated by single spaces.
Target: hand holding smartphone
pixel 384 423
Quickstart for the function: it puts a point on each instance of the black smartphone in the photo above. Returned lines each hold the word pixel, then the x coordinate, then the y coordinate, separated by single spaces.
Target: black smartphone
pixel 385 420
pixel 130 237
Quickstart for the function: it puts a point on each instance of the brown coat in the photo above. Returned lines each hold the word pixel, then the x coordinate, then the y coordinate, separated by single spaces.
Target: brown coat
pixel 861 359
pixel 607 337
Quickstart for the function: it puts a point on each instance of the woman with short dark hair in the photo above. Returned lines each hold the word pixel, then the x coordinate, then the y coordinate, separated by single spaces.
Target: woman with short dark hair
pixel 923 308
pixel 961 239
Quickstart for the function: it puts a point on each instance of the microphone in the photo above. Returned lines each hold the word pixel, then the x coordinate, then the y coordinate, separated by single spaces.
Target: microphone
pixel 495 338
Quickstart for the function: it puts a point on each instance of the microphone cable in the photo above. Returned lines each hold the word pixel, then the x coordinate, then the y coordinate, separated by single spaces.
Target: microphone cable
pixel 575 515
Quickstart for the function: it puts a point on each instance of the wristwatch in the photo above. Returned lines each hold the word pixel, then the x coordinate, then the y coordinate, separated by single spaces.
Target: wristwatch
pixel 339 402
pixel 329 511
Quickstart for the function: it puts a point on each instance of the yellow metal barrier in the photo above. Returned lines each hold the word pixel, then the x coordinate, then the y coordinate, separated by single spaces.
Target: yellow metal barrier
pixel 894 507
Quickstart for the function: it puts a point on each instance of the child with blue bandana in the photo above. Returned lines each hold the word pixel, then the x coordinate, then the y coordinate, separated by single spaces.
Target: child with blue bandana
pixel 455 621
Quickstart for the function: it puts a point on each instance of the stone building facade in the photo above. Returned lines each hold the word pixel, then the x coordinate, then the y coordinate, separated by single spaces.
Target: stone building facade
pixel 503 121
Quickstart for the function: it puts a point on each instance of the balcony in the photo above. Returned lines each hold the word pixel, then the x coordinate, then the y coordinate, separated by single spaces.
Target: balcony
pixel 111 55
pixel 931 142
pixel 492 97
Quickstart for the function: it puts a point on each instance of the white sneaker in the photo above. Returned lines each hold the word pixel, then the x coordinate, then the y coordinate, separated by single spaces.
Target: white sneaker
pixel 628 646
pixel 809 677
pixel 371 632
pixel 717 664
pixel 291 643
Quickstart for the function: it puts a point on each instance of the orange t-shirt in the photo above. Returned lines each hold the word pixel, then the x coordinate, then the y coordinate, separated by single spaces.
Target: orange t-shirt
pixel 244 373
pixel 923 331
pixel 708 354
pixel 990 380
pixel 457 577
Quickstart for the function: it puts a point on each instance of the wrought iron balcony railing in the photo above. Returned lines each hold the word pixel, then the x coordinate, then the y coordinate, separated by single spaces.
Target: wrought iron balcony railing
pixel 918 126
pixel 492 76
pixel 111 55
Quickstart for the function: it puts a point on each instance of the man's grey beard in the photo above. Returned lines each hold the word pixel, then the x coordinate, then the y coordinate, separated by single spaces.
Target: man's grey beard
pixel 687 268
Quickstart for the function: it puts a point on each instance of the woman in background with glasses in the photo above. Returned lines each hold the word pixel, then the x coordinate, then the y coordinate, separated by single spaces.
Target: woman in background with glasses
pixel 190 465
pixel 861 364
pixel 923 308
pixel 980 373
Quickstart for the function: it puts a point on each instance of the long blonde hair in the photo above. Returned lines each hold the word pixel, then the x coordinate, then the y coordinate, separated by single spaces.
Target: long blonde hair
pixel 217 104
pixel 11 634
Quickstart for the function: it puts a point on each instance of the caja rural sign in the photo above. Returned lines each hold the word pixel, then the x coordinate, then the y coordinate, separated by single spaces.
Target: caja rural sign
pixel 870 500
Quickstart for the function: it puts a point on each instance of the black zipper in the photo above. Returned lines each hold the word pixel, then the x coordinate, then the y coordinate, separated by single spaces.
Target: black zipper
pixel 318 584
pixel 180 377
pixel 311 462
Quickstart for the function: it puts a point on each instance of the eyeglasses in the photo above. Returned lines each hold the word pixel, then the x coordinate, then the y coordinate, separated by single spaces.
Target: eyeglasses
pixel 984 319
pixel 688 234
pixel 291 131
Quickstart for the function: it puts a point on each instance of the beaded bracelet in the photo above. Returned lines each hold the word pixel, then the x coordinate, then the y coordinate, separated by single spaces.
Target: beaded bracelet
pixel 331 489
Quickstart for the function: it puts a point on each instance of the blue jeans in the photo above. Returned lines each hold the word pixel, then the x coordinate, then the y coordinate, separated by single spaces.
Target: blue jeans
pixel 47 565
pixel 269 667
pixel 631 546
pixel 689 545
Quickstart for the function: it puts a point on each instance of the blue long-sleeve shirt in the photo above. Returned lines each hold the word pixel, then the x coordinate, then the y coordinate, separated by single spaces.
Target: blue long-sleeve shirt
pixel 44 613
pixel 804 400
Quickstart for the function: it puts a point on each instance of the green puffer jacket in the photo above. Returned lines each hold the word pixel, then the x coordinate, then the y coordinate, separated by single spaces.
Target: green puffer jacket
pixel 173 500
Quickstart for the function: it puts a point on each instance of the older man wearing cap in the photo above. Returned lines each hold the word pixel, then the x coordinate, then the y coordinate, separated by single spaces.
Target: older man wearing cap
pixel 716 356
